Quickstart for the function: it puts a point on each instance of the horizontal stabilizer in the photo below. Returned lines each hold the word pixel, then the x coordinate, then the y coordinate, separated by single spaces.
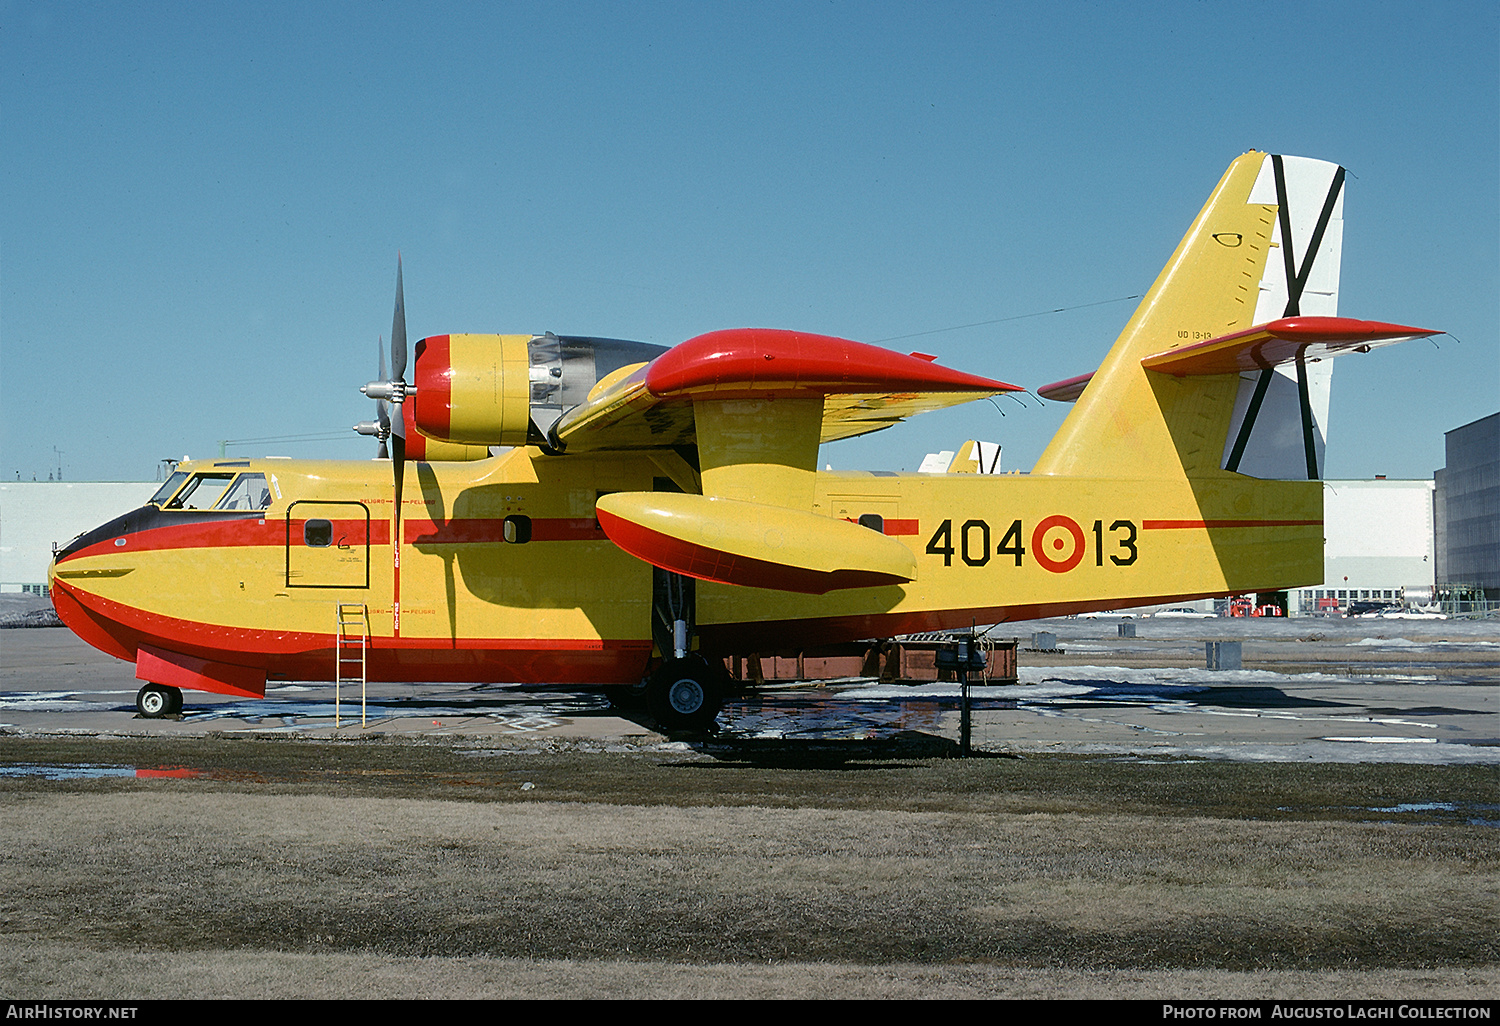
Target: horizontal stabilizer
pixel 747 543
pixel 1280 342
pixel 1261 348
pixel 1066 391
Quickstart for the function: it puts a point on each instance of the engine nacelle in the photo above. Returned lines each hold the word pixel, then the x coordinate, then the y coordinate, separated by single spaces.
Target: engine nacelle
pixel 510 389
pixel 473 389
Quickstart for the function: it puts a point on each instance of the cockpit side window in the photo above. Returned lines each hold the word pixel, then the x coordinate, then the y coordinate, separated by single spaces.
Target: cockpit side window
pixel 201 492
pixel 249 492
pixel 166 491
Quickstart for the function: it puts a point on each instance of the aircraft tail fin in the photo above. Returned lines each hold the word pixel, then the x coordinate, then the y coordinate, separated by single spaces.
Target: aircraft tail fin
pixel 976 457
pixel 1265 247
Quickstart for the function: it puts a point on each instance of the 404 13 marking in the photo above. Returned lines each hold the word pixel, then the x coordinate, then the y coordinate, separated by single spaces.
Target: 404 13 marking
pixel 1057 543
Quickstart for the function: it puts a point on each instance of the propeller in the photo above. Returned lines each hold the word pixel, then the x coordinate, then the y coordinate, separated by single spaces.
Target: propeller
pixel 395 389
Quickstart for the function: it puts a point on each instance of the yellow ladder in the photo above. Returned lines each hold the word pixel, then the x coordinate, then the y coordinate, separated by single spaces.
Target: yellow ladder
pixel 350 654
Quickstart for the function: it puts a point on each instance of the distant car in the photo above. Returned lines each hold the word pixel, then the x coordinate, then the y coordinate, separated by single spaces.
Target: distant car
pixel 1183 613
pixel 1364 608
pixel 1106 614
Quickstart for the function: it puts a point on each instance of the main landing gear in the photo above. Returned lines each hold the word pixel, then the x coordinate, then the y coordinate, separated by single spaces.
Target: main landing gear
pixel 155 701
pixel 686 691
pixel 685 694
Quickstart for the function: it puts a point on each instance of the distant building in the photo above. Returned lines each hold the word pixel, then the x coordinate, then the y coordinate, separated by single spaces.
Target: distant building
pixel 1377 546
pixel 1467 512
pixel 36 514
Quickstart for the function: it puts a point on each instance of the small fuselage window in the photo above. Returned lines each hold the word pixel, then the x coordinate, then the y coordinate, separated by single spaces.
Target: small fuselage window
pixel 318 534
pixel 517 530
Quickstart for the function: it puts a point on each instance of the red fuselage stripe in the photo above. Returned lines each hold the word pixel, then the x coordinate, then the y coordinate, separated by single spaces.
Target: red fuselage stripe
pixel 894 528
pixel 1196 525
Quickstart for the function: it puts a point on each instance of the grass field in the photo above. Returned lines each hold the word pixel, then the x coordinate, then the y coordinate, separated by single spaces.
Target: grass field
pixel 390 868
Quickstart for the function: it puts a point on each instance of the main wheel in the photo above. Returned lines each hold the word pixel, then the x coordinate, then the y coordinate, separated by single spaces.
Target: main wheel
pixel 684 694
pixel 156 700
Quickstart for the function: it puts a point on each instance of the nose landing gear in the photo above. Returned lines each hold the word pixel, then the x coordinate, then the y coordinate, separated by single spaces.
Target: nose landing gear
pixel 155 701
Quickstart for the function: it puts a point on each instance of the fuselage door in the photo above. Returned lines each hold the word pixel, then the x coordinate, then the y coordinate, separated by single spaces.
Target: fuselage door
pixel 327 545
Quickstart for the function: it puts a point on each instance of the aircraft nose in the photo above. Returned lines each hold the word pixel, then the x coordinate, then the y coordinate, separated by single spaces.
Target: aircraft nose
pixel 109 537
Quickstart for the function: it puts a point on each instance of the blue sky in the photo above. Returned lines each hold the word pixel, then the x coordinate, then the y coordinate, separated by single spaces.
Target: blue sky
pixel 203 202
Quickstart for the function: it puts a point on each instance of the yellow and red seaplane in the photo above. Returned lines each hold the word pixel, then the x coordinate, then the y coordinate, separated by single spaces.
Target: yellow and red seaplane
pixel 595 511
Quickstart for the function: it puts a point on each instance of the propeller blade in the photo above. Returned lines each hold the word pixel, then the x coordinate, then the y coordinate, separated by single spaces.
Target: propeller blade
pixel 398 462
pixel 398 330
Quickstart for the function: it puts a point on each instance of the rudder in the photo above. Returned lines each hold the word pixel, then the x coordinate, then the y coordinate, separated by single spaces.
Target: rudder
pixel 1266 245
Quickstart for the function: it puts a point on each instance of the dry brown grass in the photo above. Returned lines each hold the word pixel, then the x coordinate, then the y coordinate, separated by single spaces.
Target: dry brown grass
pixel 424 872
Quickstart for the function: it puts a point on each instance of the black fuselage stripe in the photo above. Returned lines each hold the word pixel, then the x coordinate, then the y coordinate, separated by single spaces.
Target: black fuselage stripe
pixel 149 518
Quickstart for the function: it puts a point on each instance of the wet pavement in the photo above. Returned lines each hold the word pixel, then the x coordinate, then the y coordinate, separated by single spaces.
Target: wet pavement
pixel 1325 691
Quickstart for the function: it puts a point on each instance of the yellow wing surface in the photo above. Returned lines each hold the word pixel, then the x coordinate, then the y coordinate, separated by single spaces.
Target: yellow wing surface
pixel 863 388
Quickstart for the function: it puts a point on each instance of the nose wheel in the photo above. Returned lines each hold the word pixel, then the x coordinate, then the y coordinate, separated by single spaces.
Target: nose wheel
pixel 685 694
pixel 155 701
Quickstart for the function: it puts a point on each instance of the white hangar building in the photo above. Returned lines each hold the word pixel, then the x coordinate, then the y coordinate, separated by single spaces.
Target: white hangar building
pixel 1378 543
pixel 35 514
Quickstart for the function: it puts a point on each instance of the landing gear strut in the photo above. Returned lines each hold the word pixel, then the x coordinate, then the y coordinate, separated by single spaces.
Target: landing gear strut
pixel 686 691
pixel 155 701
pixel 685 694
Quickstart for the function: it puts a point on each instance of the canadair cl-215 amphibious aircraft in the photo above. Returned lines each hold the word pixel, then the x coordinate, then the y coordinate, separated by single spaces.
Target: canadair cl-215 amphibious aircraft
pixel 662 508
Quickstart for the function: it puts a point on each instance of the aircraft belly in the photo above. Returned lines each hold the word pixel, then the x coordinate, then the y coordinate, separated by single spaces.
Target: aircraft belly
pixel 234 602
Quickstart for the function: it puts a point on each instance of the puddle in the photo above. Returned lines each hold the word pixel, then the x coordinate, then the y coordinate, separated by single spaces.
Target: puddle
pixel 863 713
pixel 1472 813
pixel 86 771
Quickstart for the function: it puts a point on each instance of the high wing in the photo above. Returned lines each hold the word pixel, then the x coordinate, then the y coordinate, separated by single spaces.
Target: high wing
pixel 864 388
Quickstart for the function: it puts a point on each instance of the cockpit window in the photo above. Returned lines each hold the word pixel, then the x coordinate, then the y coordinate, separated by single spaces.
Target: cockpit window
pixel 201 492
pixel 249 492
pixel 165 491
